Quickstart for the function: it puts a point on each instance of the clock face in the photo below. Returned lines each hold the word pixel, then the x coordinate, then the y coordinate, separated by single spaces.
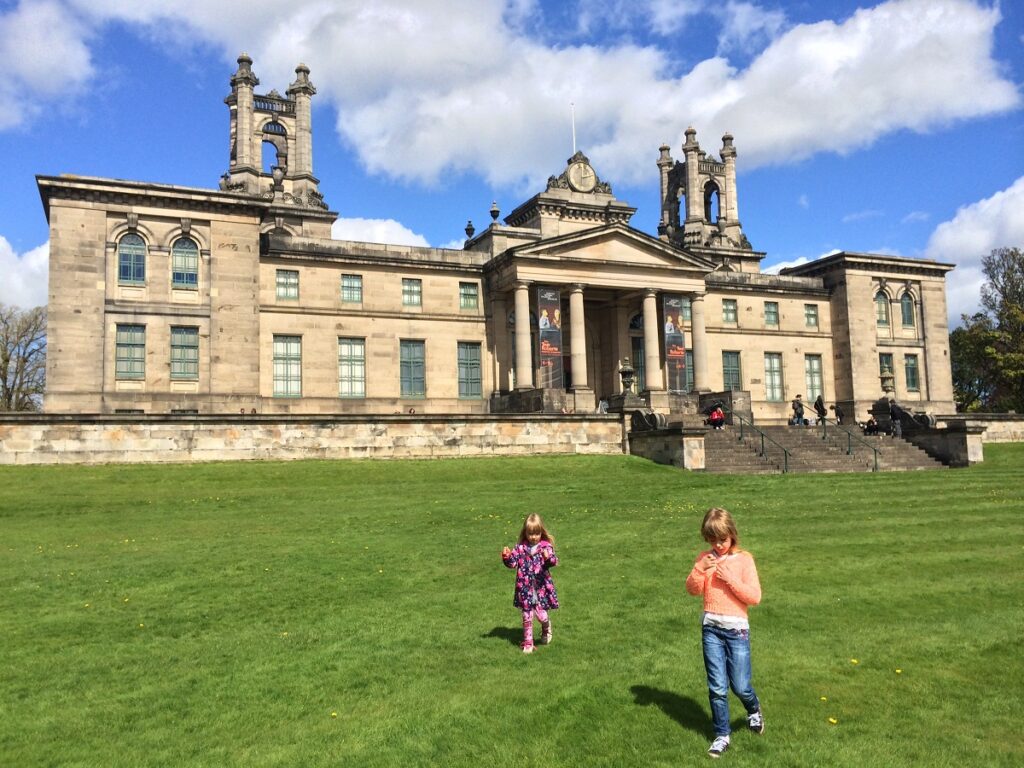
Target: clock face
pixel 582 177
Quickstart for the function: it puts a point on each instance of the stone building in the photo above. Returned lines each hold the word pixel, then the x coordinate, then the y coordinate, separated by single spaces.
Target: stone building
pixel 171 299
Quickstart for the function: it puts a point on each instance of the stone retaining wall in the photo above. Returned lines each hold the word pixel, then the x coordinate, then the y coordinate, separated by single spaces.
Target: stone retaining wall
pixel 60 439
pixel 999 427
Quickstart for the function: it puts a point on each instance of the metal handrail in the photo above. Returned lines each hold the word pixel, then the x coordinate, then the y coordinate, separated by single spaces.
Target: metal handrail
pixel 750 425
pixel 850 437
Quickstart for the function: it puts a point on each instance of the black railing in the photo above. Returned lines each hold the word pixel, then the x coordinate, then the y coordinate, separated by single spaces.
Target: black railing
pixel 748 426
pixel 850 438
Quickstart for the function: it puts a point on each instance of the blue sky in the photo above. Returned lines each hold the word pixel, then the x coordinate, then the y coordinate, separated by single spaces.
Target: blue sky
pixel 892 127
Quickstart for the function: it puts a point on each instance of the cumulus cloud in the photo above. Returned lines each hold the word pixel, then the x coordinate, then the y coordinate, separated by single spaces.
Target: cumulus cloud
pixel 375 231
pixel 25 276
pixel 995 222
pixel 425 89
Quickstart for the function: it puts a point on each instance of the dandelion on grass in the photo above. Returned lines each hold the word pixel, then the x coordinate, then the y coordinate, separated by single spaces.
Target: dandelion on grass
pixel 833 721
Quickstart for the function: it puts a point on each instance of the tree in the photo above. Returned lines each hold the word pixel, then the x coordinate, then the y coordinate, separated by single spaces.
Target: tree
pixel 22 358
pixel 987 353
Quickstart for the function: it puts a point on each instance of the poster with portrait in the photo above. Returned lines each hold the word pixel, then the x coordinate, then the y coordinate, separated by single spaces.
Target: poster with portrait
pixel 675 343
pixel 549 327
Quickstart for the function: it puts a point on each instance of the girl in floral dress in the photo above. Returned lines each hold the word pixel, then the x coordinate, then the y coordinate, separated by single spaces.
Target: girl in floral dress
pixel 535 595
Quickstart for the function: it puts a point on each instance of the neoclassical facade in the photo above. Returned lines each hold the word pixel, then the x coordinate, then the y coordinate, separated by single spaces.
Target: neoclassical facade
pixel 170 299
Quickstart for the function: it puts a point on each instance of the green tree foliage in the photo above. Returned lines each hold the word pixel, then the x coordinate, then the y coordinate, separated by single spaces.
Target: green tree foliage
pixel 987 352
pixel 22 358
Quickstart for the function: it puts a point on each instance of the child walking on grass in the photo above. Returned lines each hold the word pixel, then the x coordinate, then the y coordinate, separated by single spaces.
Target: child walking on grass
pixel 535 595
pixel 726 577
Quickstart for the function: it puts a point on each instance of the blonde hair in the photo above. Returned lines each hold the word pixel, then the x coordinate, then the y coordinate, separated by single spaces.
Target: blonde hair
pixel 534 524
pixel 718 525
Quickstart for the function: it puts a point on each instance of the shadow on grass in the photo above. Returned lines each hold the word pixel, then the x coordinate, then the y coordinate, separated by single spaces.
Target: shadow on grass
pixel 684 710
pixel 513 634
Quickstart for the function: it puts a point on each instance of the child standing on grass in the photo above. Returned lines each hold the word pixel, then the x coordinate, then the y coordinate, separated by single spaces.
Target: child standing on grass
pixel 726 577
pixel 533 557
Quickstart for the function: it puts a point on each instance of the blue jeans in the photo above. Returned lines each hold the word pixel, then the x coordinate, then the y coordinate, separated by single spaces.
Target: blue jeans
pixel 727 661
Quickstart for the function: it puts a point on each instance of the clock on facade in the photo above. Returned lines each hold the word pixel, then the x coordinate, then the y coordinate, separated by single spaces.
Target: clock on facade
pixel 582 177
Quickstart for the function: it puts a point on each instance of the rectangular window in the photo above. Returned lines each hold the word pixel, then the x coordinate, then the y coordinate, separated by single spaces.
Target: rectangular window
pixel 771 313
pixel 885 363
pixel 184 352
pixel 811 315
pixel 352 289
pixel 812 375
pixel 686 308
pixel 130 352
pixel 689 370
pixel 731 370
pixel 412 365
pixel 773 376
pixel 470 381
pixel 287 366
pixel 185 265
pixel 412 292
pixel 287 284
pixel 468 296
pixel 351 367
pixel 911 371
pixel 728 310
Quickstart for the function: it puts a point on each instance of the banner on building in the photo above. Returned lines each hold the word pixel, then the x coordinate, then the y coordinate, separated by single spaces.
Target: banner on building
pixel 675 342
pixel 549 325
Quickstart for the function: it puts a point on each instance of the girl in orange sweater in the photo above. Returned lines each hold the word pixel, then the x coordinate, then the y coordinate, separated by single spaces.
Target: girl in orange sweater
pixel 727 579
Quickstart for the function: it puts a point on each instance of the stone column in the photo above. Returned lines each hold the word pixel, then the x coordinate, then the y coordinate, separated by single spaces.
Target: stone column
pixel 652 342
pixel 578 337
pixel 302 91
pixel 699 343
pixel 499 330
pixel 524 360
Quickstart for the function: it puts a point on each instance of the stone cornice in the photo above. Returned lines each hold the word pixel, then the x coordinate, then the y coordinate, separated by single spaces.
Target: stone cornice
pixel 288 248
pixel 760 283
pixel 869 262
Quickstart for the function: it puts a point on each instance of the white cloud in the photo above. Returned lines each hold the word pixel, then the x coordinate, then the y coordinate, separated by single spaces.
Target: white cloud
pixel 426 88
pixel 774 269
pixel 995 222
pixel 25 282
pixel 862 215
pixel 376 231
pixel 915 216
pixel 804 202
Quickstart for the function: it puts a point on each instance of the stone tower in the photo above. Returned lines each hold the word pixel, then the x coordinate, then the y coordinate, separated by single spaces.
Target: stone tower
pixel 699 207
pixel 272 123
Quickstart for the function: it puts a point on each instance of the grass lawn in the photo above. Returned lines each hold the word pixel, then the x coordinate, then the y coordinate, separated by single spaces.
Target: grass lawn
pixel 357 614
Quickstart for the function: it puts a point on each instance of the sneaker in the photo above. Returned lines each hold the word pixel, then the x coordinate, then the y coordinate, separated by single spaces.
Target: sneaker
pixel 718 746
pixel 755 722
pixel 527 648
pixel 545 638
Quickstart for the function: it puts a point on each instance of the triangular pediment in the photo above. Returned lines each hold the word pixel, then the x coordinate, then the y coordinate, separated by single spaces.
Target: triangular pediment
pixel 613 244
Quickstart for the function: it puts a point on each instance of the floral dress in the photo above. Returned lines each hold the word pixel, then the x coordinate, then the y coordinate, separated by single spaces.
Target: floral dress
pixel 534 587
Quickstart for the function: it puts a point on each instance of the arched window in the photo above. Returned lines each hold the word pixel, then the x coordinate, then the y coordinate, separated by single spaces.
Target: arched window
pixel 711 202
pixel 882 308
pixel 131 259
pixel 185 264
pixel 907 310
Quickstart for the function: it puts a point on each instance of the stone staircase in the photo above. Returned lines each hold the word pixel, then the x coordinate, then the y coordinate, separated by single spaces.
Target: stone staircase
pixel 725 452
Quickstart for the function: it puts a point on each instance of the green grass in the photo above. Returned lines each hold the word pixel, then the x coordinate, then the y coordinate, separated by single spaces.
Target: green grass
pixel 219 615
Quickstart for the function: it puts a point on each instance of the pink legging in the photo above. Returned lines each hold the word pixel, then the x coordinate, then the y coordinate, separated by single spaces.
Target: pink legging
pixel 528 614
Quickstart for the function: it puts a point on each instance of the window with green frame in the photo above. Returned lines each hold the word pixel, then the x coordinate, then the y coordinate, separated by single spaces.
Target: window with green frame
pixel 688 358
pixel 885 363
pixel 773 376
pixel 412 368
pixel 811 315
pixel 729 310
pixel 130 352
pixel 470 379
pixel 771 313
pixel 352 289
pixel 731 379
pixel 287 284
pixel 184 352
pixel 812 377
pixel 185 264
pixel 469 296
pixel 131 260
pixel 351 367
pixel 912 373
pixel 412 292
pixel 882 309
pixel 907 310
pixel 686 308
pixel 287 366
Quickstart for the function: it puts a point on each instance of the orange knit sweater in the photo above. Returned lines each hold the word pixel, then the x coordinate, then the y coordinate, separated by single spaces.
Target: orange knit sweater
pixel 731 588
